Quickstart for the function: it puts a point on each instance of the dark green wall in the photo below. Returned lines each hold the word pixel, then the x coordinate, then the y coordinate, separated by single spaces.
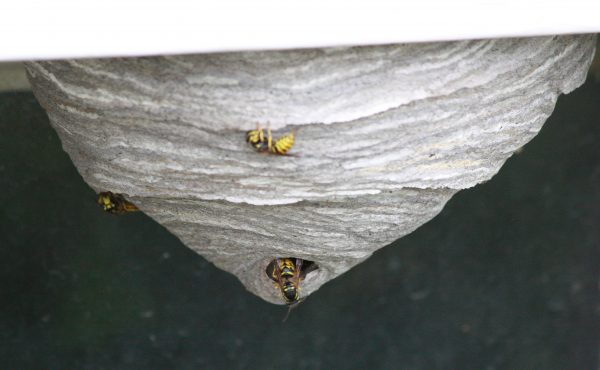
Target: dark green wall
pixel 506 277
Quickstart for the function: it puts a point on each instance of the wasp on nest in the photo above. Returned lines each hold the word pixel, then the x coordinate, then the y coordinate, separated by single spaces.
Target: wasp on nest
pixel 287 273
pixel 115 203
pixel 280 146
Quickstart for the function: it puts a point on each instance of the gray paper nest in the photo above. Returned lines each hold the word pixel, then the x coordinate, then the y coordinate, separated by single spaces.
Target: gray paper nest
pixel 385 136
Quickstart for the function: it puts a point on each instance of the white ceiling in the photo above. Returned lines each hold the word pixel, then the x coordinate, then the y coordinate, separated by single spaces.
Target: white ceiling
pixel 41 29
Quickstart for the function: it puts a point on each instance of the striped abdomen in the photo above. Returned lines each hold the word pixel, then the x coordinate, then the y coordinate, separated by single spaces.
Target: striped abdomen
pixel 283 144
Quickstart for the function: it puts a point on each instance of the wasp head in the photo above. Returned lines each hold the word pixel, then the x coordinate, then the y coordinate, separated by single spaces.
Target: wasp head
pixel 105 200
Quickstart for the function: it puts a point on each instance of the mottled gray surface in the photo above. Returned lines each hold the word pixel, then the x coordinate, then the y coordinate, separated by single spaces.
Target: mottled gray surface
pixel 386 135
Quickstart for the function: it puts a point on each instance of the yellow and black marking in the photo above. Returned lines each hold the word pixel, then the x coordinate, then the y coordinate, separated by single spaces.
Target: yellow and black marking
pixel 256 138
pixel 283 144
pixel 266 144
pixel 115 203
pixel 287 273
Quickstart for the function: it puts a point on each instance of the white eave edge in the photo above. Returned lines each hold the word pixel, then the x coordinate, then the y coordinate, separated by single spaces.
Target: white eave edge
pixel 59 29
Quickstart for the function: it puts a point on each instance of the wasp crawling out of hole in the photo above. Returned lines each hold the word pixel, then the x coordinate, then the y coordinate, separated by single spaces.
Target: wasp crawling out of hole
pixel 280 146
pixel 115 203
pixel 287 273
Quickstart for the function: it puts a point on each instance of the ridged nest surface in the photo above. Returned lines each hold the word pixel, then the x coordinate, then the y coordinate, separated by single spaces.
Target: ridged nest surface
pixel 385 136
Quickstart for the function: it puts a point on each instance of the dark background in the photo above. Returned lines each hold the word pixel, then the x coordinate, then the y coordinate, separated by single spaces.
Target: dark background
pixel 506 277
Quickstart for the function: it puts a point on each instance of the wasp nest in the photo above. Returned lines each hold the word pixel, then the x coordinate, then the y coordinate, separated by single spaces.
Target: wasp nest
pixel 385 136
